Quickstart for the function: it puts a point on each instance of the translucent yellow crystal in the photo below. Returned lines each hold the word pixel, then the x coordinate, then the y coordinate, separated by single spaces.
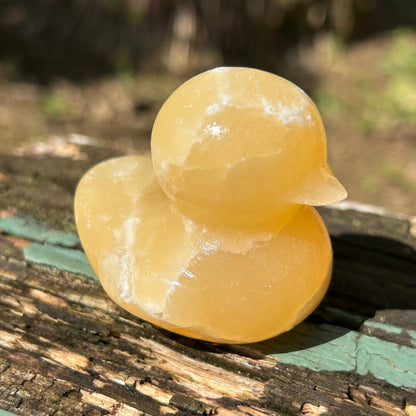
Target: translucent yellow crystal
pixel 212 237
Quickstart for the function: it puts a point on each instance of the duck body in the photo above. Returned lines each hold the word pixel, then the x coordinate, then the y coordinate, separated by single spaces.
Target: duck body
pixel 213 236
pixel 213 283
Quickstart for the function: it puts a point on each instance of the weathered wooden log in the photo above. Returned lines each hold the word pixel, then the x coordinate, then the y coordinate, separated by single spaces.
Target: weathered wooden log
pixel 67 349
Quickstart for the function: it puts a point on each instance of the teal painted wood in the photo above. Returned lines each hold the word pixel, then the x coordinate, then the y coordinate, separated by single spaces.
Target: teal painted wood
pixel 385 327
pixel 317 347
pixel 393 330
pixel 331 348
pixel 74 261
pixel 412 334
pixel 6 413
pixel 386 361
pixel 37 231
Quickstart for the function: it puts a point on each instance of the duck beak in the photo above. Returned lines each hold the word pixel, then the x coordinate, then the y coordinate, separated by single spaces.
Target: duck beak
pixel 320 187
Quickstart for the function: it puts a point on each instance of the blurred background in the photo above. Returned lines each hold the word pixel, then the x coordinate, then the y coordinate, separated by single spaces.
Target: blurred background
pixel 79 73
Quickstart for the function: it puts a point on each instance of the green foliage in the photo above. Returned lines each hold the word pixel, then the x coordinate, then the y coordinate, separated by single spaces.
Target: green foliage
pixel 125 70
pixel 387 99
pixel 327 102
pixel 388 171
pixel 401 57
pixel 399 98
pixel 53 105
pixel 395 174
pixel 335 42
pixel 372 185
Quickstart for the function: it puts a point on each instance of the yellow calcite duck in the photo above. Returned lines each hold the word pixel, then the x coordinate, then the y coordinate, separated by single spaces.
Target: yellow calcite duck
pixel 213 235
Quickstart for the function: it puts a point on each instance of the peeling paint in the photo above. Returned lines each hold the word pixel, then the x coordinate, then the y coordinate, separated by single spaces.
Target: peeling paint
pixel 74 261
pixel 37 231
pixel 346 351
pixel 5 413
pixel 386 361
pixel 304 346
